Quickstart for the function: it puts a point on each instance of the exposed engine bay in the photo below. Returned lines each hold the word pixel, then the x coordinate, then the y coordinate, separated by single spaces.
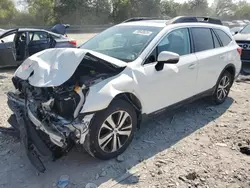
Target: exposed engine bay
pixel 54 112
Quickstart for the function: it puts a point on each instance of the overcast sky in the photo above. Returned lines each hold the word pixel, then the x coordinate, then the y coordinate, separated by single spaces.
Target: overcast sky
pixel 209 1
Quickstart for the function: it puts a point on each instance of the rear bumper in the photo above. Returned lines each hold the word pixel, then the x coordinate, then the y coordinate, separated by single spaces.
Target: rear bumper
pixel 245 61
pixel 245 56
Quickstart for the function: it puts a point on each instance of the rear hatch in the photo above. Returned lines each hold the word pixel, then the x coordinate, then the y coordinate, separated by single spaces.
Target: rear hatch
pixel 60 28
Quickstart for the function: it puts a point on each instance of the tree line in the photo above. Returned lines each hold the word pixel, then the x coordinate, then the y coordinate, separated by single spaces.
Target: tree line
pixel 80 12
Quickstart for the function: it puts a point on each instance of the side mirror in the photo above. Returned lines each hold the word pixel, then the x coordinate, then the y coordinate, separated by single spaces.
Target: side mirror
pixel 166 57
pixel 236 32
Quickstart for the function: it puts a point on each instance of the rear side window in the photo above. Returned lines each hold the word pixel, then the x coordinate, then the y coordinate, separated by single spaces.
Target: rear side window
pixel 202 39
pixel 225 39
pixel 216 41
pixel 38 35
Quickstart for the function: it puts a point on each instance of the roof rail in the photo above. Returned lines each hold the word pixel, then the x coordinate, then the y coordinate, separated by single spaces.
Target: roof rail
pixel 185 19
pixel 140 19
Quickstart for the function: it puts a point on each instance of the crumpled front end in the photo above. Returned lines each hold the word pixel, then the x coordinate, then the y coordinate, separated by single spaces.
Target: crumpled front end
pixel 50 118
pixel 49 127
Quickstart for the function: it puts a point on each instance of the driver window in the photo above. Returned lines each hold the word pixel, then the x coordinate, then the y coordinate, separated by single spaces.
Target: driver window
pixel 177 41
pixel 9 38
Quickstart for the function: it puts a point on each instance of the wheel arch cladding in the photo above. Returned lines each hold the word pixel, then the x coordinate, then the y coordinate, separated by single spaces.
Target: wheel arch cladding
pixel 135 103
pixel 231 69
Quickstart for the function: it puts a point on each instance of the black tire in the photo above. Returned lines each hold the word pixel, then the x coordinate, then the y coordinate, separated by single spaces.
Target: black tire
pixel 216 99
pixel 91 143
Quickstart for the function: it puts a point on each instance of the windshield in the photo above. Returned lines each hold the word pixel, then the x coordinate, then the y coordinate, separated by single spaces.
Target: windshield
pixel 246 29
pixel 122 42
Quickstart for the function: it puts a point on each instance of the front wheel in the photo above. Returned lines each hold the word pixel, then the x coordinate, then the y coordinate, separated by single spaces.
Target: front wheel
pixel 222 88
pixel 111 130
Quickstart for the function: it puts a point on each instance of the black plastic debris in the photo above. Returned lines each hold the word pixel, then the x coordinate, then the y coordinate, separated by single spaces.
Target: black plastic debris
pixel 245 150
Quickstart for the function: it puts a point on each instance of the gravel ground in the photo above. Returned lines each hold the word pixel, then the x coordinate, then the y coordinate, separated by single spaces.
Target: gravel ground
pixel 195 146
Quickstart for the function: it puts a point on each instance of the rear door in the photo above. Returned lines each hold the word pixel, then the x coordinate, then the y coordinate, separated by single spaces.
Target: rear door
pixel 39 40
pixel 211 57
pixel 6 49
pixel 229 48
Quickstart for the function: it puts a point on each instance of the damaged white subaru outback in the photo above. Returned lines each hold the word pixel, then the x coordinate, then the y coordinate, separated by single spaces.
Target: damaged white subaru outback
pixel 98 94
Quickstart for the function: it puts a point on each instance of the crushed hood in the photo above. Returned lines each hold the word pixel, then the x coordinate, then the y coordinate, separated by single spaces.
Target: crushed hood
pixel 242 36
pixel 53 67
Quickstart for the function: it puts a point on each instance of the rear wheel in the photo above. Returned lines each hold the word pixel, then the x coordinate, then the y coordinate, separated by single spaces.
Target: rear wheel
pixel 222 88
pixel 111 131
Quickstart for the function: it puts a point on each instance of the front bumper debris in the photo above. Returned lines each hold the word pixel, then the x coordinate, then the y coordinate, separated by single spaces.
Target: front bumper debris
pixel 32 141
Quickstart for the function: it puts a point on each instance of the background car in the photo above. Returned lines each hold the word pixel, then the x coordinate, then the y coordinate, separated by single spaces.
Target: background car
pixel 243 40
pixel 18 44
pixel 239 22
pixel 246 21
pixel 235 30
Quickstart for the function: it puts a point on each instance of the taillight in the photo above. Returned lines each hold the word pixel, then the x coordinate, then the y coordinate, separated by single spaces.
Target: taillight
pixel 239 50
pixel 73 42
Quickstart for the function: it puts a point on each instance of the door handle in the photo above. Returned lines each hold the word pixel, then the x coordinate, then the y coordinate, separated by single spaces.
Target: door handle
pixel 192 66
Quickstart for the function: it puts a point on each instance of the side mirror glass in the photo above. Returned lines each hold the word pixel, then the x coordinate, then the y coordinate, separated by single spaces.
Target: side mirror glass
pixel 166 57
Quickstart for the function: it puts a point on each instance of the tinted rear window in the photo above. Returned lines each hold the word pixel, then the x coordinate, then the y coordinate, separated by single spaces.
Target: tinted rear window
pixel 202 39
pixel 225 39
pixel 216 41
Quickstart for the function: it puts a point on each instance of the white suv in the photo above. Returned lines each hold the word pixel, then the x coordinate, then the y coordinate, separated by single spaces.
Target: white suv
pixel 98 95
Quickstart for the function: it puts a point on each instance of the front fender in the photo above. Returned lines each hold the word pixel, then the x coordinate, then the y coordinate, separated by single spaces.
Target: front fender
pixel 101 94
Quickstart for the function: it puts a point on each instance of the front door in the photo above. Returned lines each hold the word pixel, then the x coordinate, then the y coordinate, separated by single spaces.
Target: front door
pixel 6 49
pixel 39 40
pixel 176 82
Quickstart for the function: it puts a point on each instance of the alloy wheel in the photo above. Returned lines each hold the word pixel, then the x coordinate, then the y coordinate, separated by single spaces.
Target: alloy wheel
pixel 223 88
pixel 115 131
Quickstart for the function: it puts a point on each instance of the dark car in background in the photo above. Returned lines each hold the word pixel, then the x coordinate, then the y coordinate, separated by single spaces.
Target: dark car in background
pixel 243 40
pixel 18 44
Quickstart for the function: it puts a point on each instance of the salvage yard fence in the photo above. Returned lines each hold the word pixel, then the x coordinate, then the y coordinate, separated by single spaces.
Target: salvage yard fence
pixel 71 29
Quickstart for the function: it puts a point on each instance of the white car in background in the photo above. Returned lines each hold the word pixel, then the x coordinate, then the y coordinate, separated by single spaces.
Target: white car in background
pixel 236 30
pixel 99 94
